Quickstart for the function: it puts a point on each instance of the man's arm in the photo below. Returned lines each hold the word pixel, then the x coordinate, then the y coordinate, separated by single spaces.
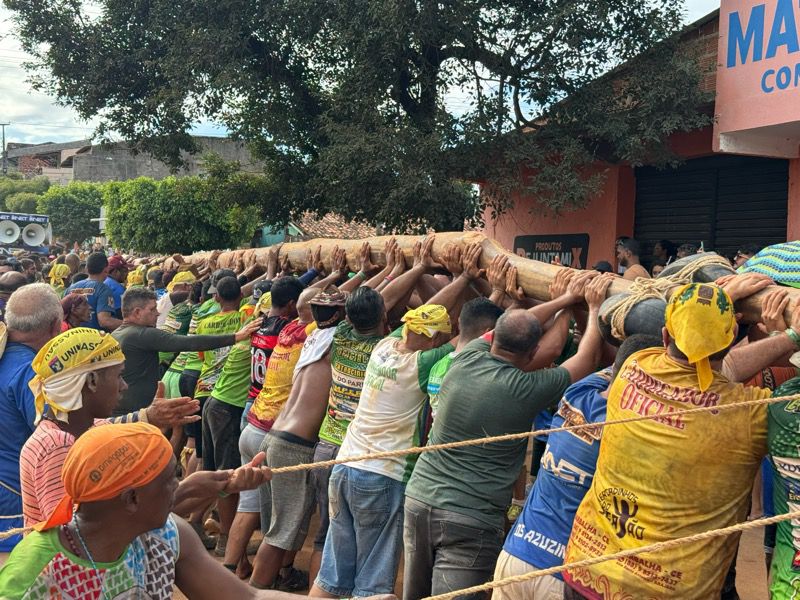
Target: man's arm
pixel 163 341
pixel 591 346
pixel 552 343
pixel 105 301
pixel 404 284
pixel 106 321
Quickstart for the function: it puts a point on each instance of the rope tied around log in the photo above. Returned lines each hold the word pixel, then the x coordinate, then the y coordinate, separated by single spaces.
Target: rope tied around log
pixel 588 562
pixel 658 289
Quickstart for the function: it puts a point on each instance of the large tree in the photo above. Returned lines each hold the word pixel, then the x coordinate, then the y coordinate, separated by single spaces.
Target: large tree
pixel 381 109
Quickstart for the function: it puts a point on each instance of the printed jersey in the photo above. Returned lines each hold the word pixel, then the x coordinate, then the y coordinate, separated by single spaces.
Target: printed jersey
pixel 191 360
pixel 41 567
pixel 435 379
pixel 214 360
pixel 660 479
pixel 784 456
pixel 350 354
pixel 99 297
pixel 178 319
pixel 540 535
pixel 387 416
pixel 278 377
pixel 262 343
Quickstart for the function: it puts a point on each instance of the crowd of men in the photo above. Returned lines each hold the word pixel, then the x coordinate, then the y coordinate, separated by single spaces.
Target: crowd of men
pixel 142 411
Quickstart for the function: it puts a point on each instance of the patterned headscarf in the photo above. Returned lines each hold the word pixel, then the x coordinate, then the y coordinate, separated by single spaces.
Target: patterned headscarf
pixel 426 320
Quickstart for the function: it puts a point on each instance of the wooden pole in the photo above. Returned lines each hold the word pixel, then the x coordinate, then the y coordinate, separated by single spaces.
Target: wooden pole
pixel 533 276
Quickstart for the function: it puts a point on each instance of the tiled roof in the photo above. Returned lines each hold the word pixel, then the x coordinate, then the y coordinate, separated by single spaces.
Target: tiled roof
pixel 333 226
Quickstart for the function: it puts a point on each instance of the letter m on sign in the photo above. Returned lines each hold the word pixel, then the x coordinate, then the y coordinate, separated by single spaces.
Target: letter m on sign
pixel 740 39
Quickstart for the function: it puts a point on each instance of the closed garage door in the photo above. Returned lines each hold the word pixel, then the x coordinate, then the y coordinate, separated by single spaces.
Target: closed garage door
pixel 721 201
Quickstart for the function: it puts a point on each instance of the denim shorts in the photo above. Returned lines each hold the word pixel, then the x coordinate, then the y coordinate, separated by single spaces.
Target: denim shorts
pixel 365 535
pixel 320 478
pixel 249 444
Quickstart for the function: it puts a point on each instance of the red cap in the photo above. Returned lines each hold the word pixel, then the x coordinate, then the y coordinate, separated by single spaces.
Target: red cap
pixel 117 262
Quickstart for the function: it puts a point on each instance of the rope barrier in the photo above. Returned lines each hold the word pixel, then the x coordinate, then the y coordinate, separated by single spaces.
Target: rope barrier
pixel 499 438
pixel 526 434
pixel 588 562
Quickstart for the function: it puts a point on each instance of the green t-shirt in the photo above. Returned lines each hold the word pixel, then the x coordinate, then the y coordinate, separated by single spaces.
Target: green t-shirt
pixel 234 381
pixel 435 379
pixel 350 352
pixel 783 439
pixel 190 361
pixel 40 567
pixel 178 319
pixel 482 396
pixel 213 361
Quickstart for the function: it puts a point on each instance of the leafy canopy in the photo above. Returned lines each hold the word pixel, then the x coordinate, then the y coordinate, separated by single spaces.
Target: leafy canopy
pixel 71 208
pixel 381 109
pixel 171 215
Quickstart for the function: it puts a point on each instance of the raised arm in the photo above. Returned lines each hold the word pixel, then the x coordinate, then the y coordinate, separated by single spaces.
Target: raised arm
pixel 591 346
pixel 403 285
pixel 450 296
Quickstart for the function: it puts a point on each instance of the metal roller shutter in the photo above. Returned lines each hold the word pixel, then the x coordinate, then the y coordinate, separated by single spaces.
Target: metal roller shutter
pixel 721 201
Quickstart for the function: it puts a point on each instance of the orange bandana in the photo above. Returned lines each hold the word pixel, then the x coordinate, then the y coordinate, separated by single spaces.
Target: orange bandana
pixel 107 460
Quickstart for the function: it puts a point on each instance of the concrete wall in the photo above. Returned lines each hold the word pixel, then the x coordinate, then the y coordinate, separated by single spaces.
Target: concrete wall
pixel 115 163
pixel 606 217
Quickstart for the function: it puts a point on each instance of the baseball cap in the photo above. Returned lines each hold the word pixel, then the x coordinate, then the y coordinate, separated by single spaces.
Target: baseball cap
pixel 117 262
pixel 259 289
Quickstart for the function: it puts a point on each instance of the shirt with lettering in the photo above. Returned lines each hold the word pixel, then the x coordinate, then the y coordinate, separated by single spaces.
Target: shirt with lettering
pixel 387 416
pixel 117 290
pixel 350 354
pixel 213 361
pixel 661 479
pixel 278 377
pixel 99 297
pixel 540 535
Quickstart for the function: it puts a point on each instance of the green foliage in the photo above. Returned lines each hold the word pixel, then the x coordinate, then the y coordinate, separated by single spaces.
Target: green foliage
pixel 172 215
pixel 22 202
pixel 379 109
pixel 15 185
pixel 71 208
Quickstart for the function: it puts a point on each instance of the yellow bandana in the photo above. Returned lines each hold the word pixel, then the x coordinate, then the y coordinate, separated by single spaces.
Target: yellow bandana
pixel 182 277
pixel 62 365
pixel 426 320
pixel 264 304
pixel 701 320
pixel 136 277
pixel 59 272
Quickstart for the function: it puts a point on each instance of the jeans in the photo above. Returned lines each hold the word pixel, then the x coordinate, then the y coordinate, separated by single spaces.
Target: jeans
pixel 365 535
pixel 446 551
pixel 319 479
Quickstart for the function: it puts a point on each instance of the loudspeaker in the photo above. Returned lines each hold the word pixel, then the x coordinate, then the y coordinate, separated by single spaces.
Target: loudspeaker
pixel 9 232
pixel 34 234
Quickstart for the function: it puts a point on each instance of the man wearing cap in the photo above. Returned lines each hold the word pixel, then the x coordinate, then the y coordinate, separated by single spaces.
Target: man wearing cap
pixel 141 342
pixel 179 283
pixel 118 270
pixel 675 476
pixel 122 541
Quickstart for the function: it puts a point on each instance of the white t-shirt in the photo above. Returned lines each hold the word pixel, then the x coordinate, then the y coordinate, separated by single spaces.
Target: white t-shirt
pixel 387 417
pixel 164 305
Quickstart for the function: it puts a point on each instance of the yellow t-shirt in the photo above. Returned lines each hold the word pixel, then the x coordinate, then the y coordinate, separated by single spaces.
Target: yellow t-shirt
pixel 666 478
pixel 278 377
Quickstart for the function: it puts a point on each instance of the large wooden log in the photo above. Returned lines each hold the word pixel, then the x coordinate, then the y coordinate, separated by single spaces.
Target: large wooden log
pixel 534 276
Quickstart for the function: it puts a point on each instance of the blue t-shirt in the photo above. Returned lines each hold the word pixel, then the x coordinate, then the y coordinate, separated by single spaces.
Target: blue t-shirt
pixel 99 296
pixel 17 413
pixel 117 289
pixel 540 535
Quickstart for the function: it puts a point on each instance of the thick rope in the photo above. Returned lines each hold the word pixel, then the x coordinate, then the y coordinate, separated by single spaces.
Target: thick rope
pixel 647 289
pixel 526 434
pixel 588 562
pixel 498 438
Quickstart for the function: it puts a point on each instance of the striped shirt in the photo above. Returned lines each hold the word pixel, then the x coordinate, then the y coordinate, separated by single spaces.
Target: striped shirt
pixel 40 465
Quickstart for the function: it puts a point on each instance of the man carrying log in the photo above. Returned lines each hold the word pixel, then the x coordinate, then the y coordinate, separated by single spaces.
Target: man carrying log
pixel 676 476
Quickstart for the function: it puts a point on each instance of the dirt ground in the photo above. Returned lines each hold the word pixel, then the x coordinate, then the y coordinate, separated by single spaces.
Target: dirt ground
pixel 751 577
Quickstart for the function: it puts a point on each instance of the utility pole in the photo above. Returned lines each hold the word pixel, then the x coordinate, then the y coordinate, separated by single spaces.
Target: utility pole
pixel 3 148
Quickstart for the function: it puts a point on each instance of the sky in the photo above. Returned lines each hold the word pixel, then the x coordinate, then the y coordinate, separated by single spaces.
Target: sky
pixel 35 118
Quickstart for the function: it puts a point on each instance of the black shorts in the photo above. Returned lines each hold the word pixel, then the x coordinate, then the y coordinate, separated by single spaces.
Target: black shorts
pixel 221 431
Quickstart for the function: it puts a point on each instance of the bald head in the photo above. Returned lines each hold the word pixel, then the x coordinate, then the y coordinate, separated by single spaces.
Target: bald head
pixel 73 261
pixel 34 314
pixel 517 332
pixel 12 281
